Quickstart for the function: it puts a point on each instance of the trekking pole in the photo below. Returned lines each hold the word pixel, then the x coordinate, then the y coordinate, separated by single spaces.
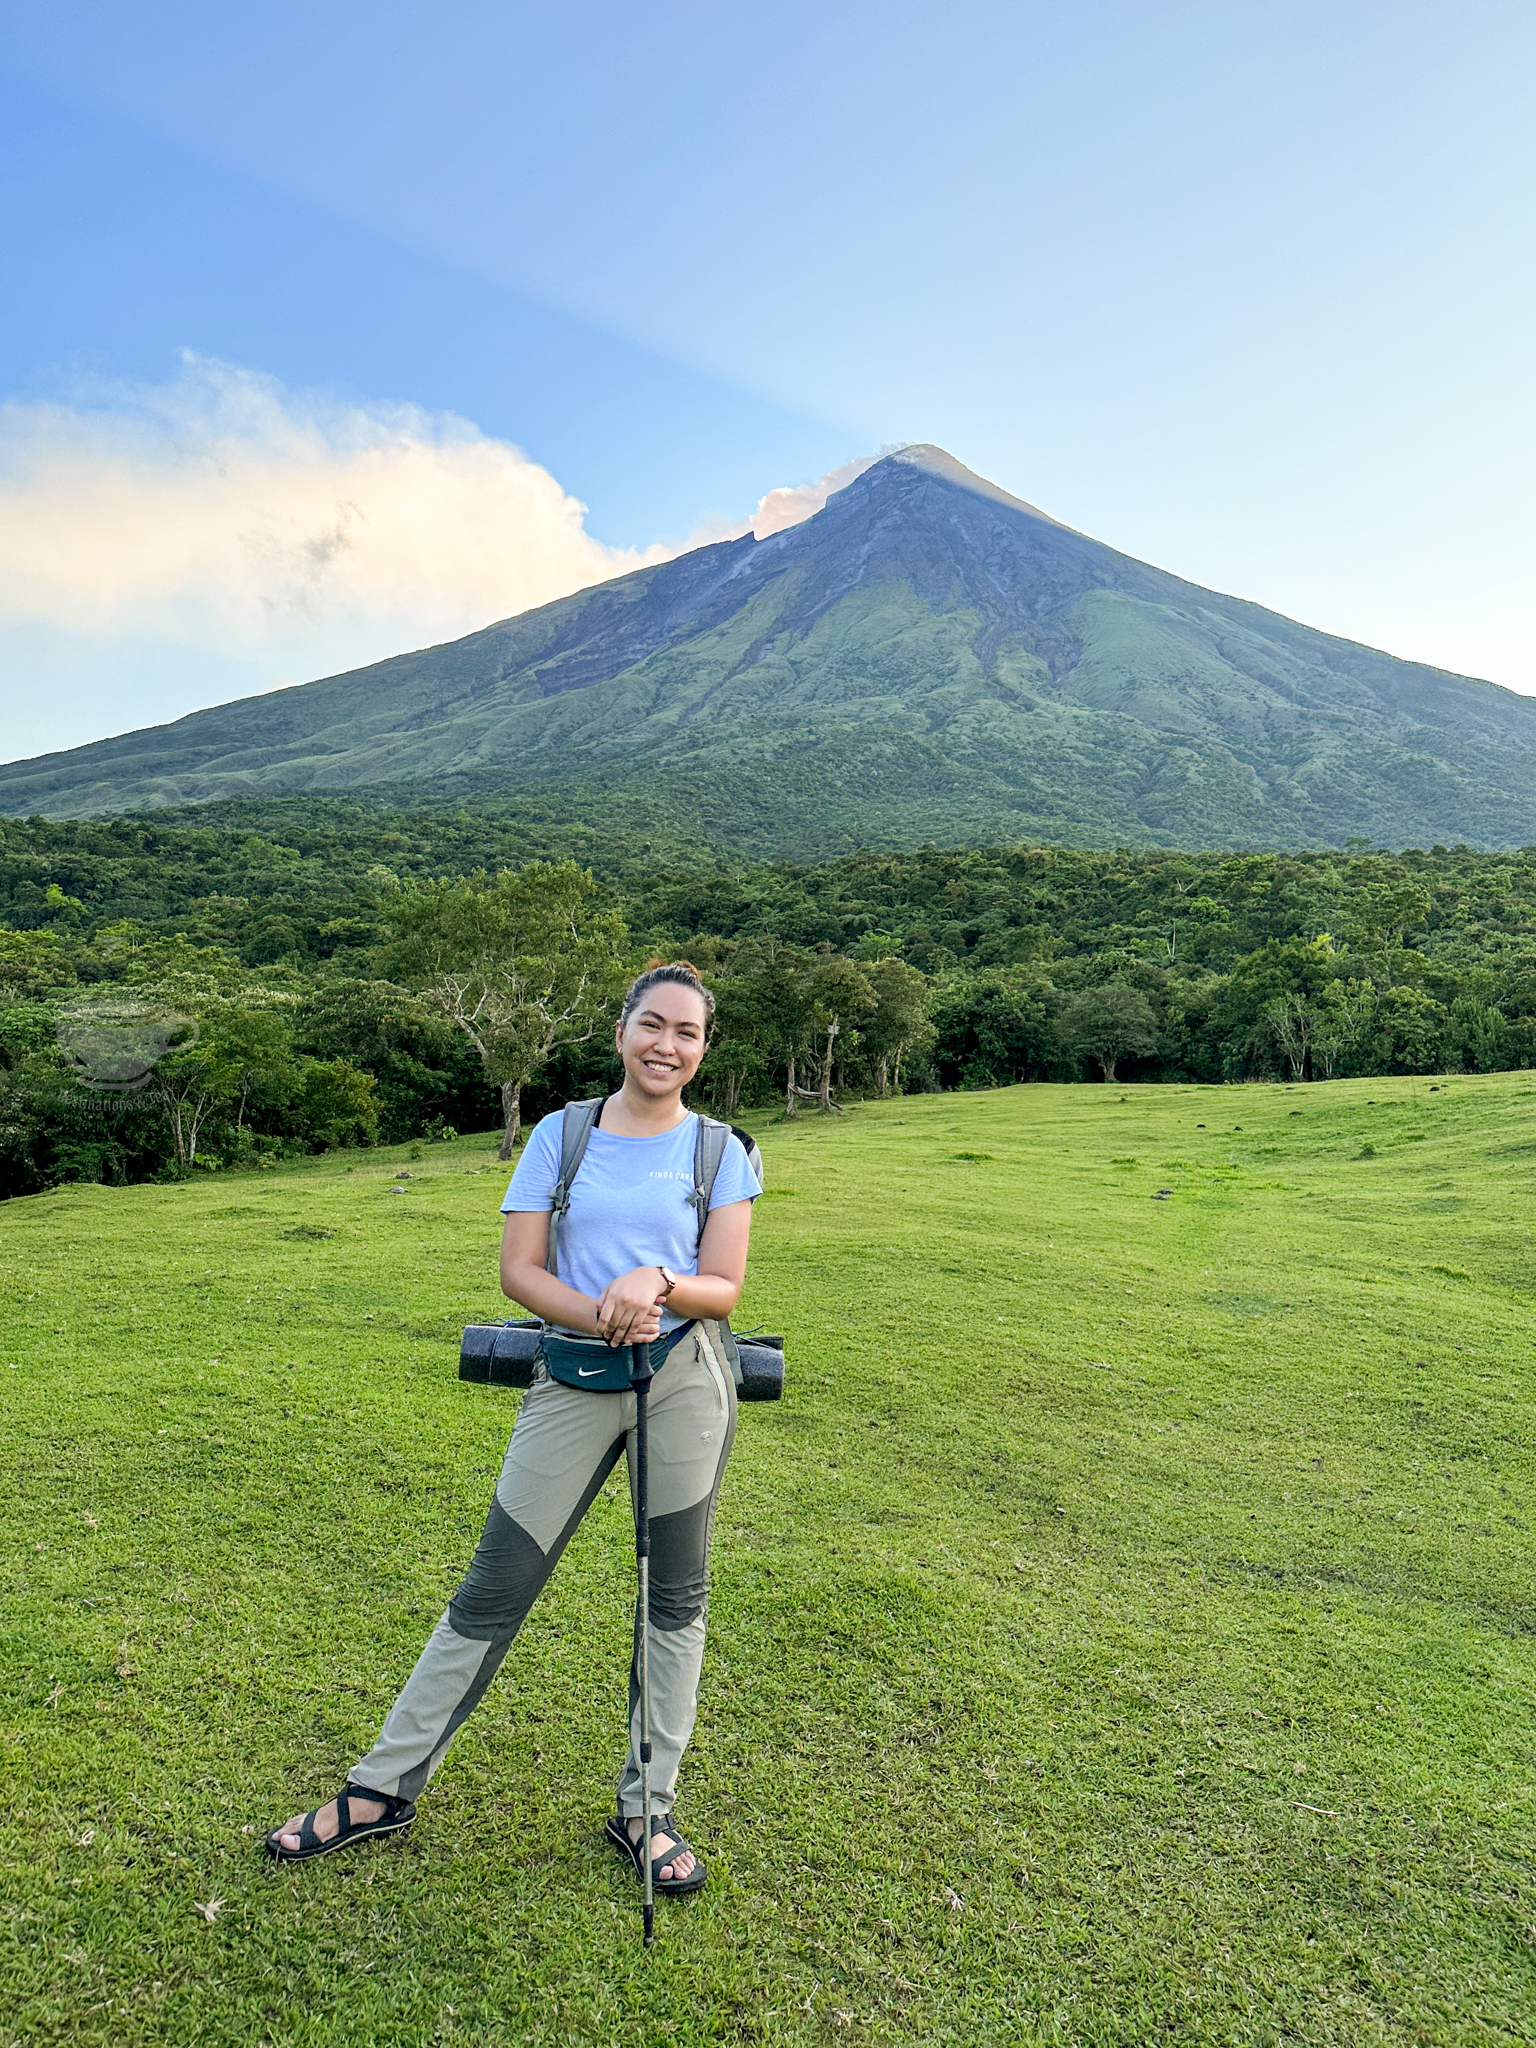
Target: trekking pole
pixel 640 1380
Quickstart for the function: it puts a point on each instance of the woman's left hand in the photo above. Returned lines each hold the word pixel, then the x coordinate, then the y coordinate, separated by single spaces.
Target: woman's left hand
pixel 628 1310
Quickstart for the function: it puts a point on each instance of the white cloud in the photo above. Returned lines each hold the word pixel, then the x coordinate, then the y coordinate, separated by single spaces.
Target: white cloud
pixel 224 513
pixel 166 547
pixel 789 504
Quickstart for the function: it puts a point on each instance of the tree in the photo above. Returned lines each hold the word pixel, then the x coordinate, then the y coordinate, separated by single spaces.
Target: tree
pixel 185 1084
pixel 1278 972
pixel 1109 1024
pixel 333 1105
pixel 763 1011
pixel 1479 1034
pixel 1341 1014
pixel 1380 916
pixel 1314 1032
pixel 224 1046
pixel 1289 1017
pixel 250 1050
pixel 993 1027
pixel 899 1021
pixel 32 964
pixel 837 994
pixel 521 962
pixel 738 1059
pixel 425 1069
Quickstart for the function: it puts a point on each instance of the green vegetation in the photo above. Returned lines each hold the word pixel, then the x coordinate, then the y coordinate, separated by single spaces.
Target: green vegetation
pixel 523 964
pixel 1121 1631
pixel 292 936
pixel 926 660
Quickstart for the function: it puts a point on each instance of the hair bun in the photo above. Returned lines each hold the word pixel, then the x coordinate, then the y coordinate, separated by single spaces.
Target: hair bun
pixel 681 973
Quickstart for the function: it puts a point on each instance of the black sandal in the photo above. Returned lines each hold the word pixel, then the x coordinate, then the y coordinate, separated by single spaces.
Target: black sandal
pixel 397 1814
pixel 617 1831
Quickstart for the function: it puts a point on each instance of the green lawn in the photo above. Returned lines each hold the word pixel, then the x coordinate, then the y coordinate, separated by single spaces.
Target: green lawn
pixel 1122 1632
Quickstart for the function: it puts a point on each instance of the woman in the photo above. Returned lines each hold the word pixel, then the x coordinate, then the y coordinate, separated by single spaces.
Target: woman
pixel 634 1268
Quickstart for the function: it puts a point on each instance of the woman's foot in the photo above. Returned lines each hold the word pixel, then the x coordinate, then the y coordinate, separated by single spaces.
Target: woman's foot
pixel 356 1813
pixel 666 1873
pixel 328 1821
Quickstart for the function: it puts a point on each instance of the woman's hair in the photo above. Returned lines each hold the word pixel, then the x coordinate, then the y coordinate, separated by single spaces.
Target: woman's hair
pixel 683 973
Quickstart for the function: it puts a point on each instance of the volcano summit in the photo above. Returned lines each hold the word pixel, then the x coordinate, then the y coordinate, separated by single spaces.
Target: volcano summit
pixel 927 658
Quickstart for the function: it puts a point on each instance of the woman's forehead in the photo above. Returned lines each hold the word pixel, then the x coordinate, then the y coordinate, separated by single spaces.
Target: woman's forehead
pixel 672 1004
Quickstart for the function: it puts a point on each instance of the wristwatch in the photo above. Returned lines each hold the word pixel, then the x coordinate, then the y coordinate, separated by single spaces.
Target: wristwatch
pixel 668 1282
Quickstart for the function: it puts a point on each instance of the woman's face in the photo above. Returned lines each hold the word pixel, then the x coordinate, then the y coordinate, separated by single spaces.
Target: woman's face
pixel 663 1042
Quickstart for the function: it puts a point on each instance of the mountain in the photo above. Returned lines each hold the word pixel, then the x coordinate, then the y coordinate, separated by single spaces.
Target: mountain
pixel 927 658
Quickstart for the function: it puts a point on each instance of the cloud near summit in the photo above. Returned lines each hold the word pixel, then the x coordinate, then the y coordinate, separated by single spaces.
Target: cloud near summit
pixel 167 546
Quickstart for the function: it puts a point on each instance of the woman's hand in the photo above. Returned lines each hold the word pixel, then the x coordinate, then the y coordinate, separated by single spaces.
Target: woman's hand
pixel 628 1309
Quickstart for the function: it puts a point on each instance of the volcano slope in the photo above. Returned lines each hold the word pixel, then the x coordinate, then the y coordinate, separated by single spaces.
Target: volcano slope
pixel 926 659
pixel 1121 1632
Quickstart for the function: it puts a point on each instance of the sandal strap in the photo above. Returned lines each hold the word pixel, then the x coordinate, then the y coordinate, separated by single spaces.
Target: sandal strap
pixel 661 1824
pixel 391 1802
pixel 664 1824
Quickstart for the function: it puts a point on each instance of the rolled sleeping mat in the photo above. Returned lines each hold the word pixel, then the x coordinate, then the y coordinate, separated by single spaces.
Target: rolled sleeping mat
pixel 501 1354
pixel 762 1368
pixel 505 1355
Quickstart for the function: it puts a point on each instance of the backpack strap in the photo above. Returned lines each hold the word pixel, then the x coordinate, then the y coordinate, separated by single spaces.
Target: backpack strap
pixel 750 1147
pixel 708 1150
pixel 576 1127
pixel 709 1143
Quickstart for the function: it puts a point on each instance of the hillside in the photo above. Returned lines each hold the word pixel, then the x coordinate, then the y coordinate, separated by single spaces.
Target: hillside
pixel 1178 1681
pixel 927 658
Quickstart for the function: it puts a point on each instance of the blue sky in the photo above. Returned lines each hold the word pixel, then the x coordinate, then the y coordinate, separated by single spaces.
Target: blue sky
pixel 298 295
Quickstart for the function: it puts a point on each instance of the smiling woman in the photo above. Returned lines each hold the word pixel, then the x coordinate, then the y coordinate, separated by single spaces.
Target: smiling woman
pixel 647 1254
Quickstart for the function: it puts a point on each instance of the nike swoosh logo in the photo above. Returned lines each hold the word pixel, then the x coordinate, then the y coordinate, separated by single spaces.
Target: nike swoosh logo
pixel 585 1372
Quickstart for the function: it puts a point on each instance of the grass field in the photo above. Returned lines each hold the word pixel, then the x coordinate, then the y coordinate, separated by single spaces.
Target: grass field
pixel 1123 1632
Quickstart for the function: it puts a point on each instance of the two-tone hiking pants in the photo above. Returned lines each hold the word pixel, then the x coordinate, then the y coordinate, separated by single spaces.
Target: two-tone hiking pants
pixel 564 1445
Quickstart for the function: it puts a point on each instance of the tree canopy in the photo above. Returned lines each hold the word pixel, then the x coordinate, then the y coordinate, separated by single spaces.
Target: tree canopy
pixel 460 968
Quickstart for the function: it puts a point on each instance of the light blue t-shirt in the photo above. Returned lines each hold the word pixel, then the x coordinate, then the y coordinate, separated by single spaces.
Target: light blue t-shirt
pixel 629 1201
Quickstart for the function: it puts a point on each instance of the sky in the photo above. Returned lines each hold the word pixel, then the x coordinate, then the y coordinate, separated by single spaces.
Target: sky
pixel 332 330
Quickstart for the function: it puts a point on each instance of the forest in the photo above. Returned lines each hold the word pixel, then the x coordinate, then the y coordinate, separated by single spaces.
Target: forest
pixel 189 990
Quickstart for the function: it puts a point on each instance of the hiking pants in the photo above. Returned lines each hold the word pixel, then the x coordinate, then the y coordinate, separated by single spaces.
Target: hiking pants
pixel 565 1444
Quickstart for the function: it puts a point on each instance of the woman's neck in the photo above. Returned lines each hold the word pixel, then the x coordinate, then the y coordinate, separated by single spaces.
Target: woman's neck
pixel 630 1114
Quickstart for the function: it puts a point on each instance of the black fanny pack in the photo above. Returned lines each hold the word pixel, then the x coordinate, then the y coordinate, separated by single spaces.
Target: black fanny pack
pixel 595 1366
pixel 507 1355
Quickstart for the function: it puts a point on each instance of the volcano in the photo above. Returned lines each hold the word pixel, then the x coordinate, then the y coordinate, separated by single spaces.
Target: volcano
pixel 926 659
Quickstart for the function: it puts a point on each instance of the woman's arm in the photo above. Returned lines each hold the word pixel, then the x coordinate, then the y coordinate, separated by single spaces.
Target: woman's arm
pixel 716 1288
pixel 524 1251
